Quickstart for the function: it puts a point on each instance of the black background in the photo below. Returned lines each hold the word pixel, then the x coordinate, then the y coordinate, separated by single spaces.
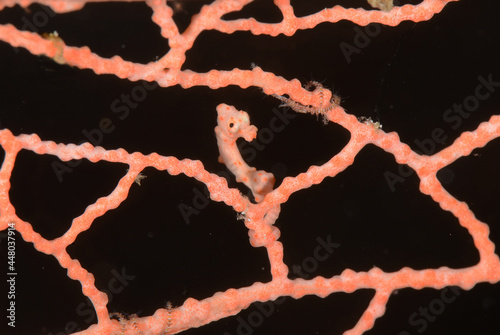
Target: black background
pixel 406 77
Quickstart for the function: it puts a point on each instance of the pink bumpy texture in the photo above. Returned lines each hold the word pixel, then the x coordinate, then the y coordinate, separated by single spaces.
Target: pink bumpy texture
pixel 259 217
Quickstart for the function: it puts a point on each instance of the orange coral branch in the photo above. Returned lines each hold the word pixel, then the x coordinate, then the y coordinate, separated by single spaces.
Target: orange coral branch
pixel 260 217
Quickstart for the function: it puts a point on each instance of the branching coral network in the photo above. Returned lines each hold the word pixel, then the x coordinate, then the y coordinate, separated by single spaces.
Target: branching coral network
pixel 260 210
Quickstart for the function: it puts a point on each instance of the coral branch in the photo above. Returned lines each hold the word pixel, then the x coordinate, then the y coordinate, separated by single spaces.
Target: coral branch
pixel 259 216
